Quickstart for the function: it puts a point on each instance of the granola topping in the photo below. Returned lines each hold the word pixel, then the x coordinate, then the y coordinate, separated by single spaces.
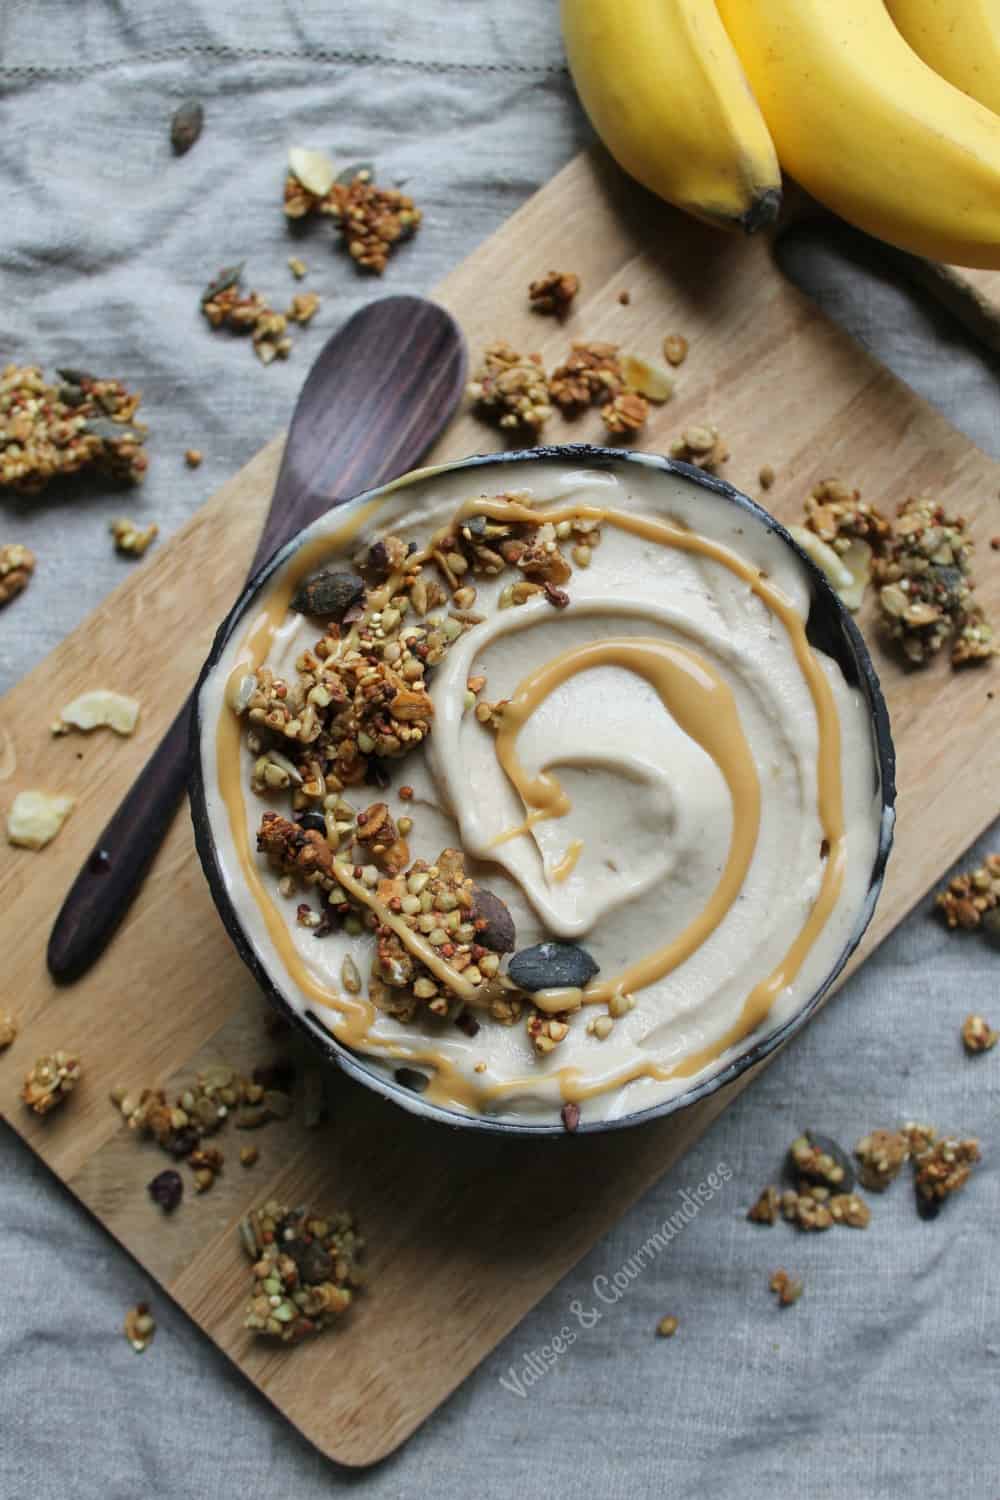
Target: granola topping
pixel 51 431
pixel 50 1081
pixel 372 221
pixel 305 1269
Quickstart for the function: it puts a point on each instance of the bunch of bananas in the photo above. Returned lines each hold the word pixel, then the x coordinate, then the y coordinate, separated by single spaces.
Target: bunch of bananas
pixel 882 109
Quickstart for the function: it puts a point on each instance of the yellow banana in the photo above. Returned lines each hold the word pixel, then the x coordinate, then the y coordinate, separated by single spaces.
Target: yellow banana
pixel 869 128
pixel 665 92
pixel 960 39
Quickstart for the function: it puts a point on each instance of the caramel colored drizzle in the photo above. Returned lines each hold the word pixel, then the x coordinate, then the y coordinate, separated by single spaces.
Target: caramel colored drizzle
pixel 563 868
pixel 542 793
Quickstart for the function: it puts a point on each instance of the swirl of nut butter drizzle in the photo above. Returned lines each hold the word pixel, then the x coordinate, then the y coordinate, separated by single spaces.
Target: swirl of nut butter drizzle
pixel 703 706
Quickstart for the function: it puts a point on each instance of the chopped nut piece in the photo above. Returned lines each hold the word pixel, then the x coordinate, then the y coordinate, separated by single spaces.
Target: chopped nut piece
pixel 50 1080
pixel 131 539
pixel 701 446
pixel 965 899
pixel 101 708
pixel 36 817
pixel 625 414
pixel 140 1327
pixel 305 1269
pixel 667 1327
pixel 313 169
pixel 304 308
pixel 787 1288
pixel 8 1029
pixel 648 379
pixel 849 1209
pixel 17 564
pixel 675 348
pixel 591 373
pixel 806 1210
pixel 554 292
pixel 977 1034
pixel 882 1154
pixel 765 1210
pixel 49 432
pixel 193 457
pixel 510 389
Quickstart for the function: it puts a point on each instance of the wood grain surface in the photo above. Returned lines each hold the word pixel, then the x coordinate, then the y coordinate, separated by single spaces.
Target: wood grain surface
pixel 466 1233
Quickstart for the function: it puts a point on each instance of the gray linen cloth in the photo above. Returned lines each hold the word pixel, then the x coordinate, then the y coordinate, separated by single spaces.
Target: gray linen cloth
pixel 882 1380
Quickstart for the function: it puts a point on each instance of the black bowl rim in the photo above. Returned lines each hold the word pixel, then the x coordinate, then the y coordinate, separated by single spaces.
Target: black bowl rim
pixel 356 1066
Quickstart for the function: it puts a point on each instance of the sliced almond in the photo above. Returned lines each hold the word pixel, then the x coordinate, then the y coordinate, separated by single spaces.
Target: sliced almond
pixel 314 169
pixel 651 381
pixel 102 709
pixel 36 817
pixel 858 562
pixel 824 557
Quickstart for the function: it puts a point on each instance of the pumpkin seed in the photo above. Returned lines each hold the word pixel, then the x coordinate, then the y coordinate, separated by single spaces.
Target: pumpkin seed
pixel 227 277
pixel 550 966
pixel 186 125
pixel 348 175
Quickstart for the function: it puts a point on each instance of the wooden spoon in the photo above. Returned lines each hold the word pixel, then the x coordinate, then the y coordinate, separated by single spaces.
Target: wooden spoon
pixel 381 391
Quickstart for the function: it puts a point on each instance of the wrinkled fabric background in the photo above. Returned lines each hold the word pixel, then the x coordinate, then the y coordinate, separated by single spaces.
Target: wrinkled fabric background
pixel 882 1381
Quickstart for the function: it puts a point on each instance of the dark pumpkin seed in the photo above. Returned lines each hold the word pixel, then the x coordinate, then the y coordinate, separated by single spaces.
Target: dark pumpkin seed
pixel 552 966
pixel 71 395
pixel 329 595
pixel 109 431
pixel 312 820
pixel 166 1189
pixel 186 125
pixel 347 176
pixel 227 277
pixel 75 377
pixel 315 1264
pixel 991 925
pixel 498 933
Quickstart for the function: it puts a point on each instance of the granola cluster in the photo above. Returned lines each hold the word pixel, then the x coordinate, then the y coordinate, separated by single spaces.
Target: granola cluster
pixel 978 1035
pixel 838 516
pixel 925 587
pixel 305 1269
pixel 554 292
pixel 701 446
pixel 881 1155
pixel 219 1094
pixel 787 1289
pixel 372 221
pixel 966 900
pixel 17 564
pixel 226 304
pixel 941 1164
pixel 85 423
pixel 50 1081
pixel 510 389
pixel 131 539
pixel 824 1192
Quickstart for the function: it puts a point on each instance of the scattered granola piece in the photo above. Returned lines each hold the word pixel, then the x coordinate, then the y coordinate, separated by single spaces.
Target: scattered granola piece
pixel 625 297
pixel 591 373
pixel 978 1035
pixel 225 304
pixel 881 1154
pixel 821 1160
pixel 509 388
pixel 838 515
pixel 766 476
pixel 166 1189
pixel 371 220
pixel 941 1165
pixel 701 446
pixel 193 457
pixel 8 1029
pixel 967 898
pixel 305 1269
pixel 807 1210
pixel 186 125
pixel 140 1327
pixel 298 267
pixel 765 1210
pixel 130 539
pixel 675 349
pixel 554 292
pixel 249 1156
pixel 304 307
pixel 17 564
pixel 667 1327
pixel 99 709
pixel 50 1080
pixel 926 588
pixel 849 1209
pixel 49 432
pixel 36 817
pixel 788 1289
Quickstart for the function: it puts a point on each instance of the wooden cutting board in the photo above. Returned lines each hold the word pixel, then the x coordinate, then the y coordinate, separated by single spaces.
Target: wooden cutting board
pixel 466 1234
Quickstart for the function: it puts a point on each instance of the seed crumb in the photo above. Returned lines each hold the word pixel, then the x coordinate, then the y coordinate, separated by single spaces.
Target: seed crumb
pixel 297 267
pixel 977 1034
pixel 249 1156
pixel 130 539
pixel 766 477
pixel 140 1327
pixel 8 1029
pixel 193 458
pixel 667 1327
pixel 788 1289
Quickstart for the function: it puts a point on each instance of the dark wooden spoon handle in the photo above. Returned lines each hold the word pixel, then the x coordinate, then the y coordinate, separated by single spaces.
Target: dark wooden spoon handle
pixel 380 392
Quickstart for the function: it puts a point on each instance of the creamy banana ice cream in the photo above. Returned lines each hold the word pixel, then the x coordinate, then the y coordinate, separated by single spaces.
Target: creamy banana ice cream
pixel 526 779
